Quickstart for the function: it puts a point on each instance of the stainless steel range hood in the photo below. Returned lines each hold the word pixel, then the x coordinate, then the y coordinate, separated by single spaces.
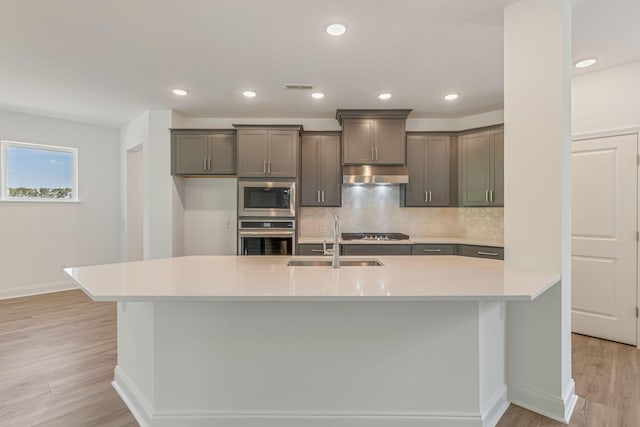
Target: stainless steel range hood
pixel 375 174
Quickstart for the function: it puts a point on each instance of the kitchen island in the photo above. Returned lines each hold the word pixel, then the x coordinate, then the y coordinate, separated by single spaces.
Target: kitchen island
pixel 250 341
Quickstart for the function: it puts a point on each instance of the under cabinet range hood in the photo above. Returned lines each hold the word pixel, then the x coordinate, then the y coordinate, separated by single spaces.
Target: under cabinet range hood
pixel 375 174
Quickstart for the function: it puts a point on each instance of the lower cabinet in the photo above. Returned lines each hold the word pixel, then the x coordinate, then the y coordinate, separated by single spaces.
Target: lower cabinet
pixel 373 249
pixel 429 249
pixel 481 251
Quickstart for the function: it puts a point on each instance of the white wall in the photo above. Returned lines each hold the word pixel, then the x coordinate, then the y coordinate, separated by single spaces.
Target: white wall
pixel 38 239
pixel 331 124
pixel 606 99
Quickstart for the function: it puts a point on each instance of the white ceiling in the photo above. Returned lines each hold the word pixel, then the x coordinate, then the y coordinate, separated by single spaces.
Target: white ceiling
pixel 107 61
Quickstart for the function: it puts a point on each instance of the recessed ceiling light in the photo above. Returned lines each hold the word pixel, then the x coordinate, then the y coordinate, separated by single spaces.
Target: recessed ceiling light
pixel 587 62
pixel 384 96
pixel 249 93
pixel 336 29
pixel 180 92
pixel 317 95
pixel 451 96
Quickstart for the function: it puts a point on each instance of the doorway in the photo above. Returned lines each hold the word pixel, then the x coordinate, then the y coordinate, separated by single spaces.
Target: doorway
pixel 604 250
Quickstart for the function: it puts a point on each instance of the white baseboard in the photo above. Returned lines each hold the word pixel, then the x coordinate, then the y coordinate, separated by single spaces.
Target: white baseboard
pixel 496 408
pixel 143 413
pixel 131 396
pixel 544 404
pixel 43 288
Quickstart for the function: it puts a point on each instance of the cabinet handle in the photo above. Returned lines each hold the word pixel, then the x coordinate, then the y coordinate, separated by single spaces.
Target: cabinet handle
pixel 429 196
pixel 486 196
pixel 318 196
pixel 426 197
pixel 317 250
pixel 322 196
pixel 269 167
pixel 377 157
pixel 209 164
pixel 204 164
pixel 432 250
pixel 264 167
pixel 488 253
pixel 491 196
pixel 373 157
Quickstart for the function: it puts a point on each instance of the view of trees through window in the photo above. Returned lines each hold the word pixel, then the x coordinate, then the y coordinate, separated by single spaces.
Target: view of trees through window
pixel 38 172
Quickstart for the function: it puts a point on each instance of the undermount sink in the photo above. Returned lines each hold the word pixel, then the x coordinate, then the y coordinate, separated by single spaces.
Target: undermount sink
pixel 327 263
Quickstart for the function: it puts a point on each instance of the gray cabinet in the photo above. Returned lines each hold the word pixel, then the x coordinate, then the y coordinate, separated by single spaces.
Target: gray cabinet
pixel 429 160
pixel 268 152
pixel 203 152
pixel 376 249
pixel 369 141
pixel 481 168
pixel 433 249
pixel 481 251
pixel 321 174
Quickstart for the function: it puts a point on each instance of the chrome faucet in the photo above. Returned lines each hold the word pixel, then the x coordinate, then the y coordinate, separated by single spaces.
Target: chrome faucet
pixel 335 252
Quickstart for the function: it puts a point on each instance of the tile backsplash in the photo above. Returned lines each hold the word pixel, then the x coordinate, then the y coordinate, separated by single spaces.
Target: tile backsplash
pixel 377 208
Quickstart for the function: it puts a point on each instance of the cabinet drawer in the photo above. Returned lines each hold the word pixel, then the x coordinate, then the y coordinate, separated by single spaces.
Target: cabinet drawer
pixel 481 251
pixel 312 249
pixel 430 249
pixel 373 249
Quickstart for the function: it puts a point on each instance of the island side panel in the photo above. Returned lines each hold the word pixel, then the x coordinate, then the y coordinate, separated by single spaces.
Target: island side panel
pixel 134 374
pixel 312 360
pixel 493 389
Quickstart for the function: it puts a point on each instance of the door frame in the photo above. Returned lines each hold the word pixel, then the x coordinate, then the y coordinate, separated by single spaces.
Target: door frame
pixel 621 132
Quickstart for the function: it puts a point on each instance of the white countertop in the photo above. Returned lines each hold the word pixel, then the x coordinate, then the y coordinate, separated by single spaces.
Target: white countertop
pixel 267 278
pixel 410 241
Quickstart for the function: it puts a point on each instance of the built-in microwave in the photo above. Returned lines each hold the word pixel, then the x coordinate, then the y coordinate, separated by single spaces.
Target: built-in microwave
pixel 267 198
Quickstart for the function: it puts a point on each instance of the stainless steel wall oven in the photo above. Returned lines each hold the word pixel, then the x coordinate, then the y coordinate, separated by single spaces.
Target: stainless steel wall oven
pixel 266 237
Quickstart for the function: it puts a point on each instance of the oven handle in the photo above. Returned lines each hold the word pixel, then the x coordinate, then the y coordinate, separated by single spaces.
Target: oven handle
pixel 272 233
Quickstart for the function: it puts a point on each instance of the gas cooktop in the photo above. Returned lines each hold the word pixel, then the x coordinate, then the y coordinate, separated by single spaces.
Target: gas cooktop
pixel 374 236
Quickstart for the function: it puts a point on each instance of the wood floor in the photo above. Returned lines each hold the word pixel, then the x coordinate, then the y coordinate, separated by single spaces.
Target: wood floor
pixel 58 351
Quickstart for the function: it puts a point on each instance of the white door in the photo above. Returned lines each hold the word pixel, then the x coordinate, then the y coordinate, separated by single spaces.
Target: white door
pixel 604 246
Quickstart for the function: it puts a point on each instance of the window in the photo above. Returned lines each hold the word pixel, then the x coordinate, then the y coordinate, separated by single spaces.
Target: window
pixel 35 172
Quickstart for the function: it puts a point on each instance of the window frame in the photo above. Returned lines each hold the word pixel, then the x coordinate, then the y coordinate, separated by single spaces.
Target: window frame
pixel 4 172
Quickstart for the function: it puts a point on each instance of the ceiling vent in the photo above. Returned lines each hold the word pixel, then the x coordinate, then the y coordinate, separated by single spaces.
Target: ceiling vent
pixel 298 86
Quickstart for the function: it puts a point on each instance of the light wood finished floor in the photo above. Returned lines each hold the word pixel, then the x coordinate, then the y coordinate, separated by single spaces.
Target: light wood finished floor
pixel 58 351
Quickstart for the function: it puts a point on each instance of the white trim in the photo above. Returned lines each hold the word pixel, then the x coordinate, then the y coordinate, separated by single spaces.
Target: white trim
pixel 4 197
pixel 544 404
pixel 144 415
pixel 43 288
pixel 132 397
pixel 498 405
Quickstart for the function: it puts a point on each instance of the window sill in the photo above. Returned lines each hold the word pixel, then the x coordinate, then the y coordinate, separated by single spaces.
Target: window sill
pixel 44 202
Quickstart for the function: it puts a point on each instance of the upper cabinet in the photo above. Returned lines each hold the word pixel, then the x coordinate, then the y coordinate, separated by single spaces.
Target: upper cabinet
pixel 373 136
pixel 268 151
pixel 203 152
pixel 431 160
pixel 321 173
pixel 481 162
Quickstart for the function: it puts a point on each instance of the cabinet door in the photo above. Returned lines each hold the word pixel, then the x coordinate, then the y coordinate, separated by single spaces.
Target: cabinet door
pixel 438 160
pixel 252 153
pixel 415 193
pixel 190 153
pixel 283 160
pixel 330 171
pixel 309 173
pixel 389 140
pixel 476 160
pixel 374 249
pixel 498 169
pixel 433 249
pixel 222 152
pixel 357 141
